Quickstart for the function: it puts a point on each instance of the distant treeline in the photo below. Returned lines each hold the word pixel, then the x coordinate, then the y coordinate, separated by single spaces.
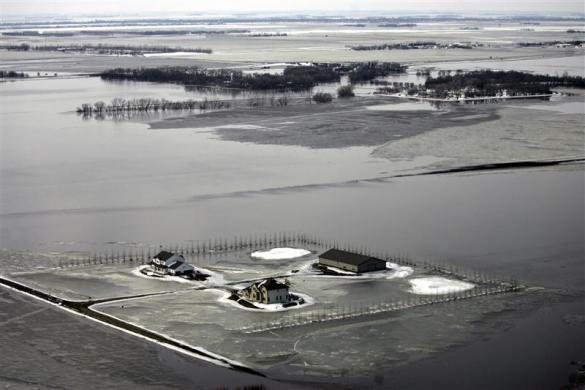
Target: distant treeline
pixel 149 105
pixel 573 31
pixel 10 74
pixel 268 35
pixel 34 33
pixel 31 33
pixel 302 77
pixel 105 49
pixel 491 83
pixel 550 43
pixel 397 25
pixel 417 45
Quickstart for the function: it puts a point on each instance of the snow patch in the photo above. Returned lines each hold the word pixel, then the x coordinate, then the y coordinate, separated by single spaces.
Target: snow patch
pixel 398 271
pixel 438 285
pixel 280 253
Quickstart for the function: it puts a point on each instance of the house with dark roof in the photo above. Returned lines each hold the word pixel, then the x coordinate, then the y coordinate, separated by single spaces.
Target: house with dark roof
pixel 267 291
pixel 352 262
pixel 167 263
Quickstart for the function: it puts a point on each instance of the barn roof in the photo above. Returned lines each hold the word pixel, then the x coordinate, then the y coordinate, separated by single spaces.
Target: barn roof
pixel 164 255
pixel 346 257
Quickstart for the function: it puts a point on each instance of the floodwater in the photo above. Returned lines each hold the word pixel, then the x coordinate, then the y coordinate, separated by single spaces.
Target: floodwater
pixel 68 184
pixel 74 163
pixel 563 108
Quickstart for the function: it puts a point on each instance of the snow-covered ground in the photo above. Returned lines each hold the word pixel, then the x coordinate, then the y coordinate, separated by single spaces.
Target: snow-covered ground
pixel 280 253
pixel 433 285
pixel 267 307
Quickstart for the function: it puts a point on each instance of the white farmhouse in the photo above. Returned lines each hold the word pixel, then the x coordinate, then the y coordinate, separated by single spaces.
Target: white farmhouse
pixel 167 263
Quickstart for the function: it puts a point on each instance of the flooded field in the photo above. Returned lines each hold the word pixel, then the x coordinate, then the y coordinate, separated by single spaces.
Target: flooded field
pixel 327 42
pixel 541 131
pixel 72 187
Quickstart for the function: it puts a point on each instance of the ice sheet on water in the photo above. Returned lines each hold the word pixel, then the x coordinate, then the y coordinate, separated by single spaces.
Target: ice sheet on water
pixel 280 253
pixel 438 285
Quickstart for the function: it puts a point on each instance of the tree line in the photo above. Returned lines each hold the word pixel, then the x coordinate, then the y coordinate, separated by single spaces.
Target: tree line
pixel 417 46
pixel 550 43
pixel 10 74
pixel 35 33
pixel 296 78
pixel 485 83
pixel 489 82
pixel 397 25
pixel 105 49
pixel 371 70
pixel 261 35
pixel 292 78
pixel 150 105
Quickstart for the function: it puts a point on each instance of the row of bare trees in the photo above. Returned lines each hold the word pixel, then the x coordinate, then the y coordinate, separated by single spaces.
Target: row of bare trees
pixel 150 105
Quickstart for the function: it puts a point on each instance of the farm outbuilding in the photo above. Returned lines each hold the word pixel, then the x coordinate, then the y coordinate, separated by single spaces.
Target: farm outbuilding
pixel 352 262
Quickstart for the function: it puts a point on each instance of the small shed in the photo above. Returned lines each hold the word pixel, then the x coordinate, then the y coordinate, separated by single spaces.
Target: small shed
pixel 353 262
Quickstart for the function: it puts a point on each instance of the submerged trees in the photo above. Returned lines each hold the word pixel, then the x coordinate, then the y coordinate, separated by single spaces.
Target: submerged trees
pixel 491 83
pixel 345 91
pixel 485 84
pixel 119 105
pixel 322 97
pixel 295 78
pixel 10 74
pixel 367 71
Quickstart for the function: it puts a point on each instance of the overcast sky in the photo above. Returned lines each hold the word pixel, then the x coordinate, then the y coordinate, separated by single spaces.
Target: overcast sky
pixel 70 7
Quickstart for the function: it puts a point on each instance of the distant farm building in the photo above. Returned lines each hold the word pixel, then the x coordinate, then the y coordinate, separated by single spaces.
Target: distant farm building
pixel 167 263
pixel 352 262
pixel 267 291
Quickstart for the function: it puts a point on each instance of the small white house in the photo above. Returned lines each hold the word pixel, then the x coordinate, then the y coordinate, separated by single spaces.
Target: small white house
pixel 168 263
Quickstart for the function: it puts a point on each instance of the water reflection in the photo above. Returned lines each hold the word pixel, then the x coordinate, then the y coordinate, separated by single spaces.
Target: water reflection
pixel 137 116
